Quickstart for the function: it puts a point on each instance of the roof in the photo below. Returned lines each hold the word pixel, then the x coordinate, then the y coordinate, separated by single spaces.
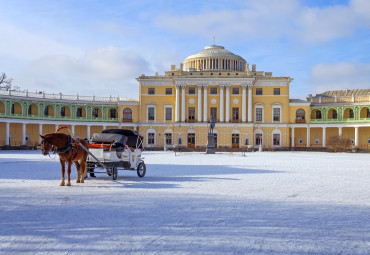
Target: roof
pixel 215 51
pixel 345 93
pixel 125 132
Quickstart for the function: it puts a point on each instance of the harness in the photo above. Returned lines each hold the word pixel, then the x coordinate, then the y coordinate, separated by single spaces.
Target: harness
pixel 71 144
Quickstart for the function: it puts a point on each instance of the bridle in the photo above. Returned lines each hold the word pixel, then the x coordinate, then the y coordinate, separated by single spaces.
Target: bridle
pixel 46 147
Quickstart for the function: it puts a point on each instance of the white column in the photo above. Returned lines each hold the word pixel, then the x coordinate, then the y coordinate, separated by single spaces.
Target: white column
pixel 324 137
pixel 199 103
pixel 340 132
pixel 227 115
pixel 308 136
pixel 244 104
pixel 23 133
pixel 177 106
pixel 88 132
pixel 56 127
pixel 73 130
pixel 183 104
pixel 7 133
pixel 40 132
pixel 249 103
pixel 293 145
pixel 205 108
pixel 356 136
pixel 221 103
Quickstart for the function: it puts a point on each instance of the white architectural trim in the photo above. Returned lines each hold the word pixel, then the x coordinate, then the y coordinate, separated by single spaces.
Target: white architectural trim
pixel 147 112
pixel 151 130
pixel 276 106
pixel 164 112
pixel 276 131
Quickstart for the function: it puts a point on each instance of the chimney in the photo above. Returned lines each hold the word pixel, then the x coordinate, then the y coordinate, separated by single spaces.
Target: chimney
pixel 253 68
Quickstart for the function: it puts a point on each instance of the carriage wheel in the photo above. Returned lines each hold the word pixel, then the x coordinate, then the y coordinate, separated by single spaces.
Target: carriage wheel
pixel 114 173
pixel 141 169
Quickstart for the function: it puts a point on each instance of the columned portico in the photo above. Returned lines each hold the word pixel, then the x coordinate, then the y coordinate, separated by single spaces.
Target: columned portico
pixel 250 104
pixel 227 115
pixel 199 103
pixel 244 104
pixel 205 105
pixel 183 104
pixel 221 103
pixel 177 105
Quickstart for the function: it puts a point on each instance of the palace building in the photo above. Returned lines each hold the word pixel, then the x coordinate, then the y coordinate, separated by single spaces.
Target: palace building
pixel 251 109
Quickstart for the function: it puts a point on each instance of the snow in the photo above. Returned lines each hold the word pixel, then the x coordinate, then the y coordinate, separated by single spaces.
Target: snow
pixel 192 203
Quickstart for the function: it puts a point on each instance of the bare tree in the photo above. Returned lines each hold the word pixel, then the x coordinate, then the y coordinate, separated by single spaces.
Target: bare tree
pixel 6 83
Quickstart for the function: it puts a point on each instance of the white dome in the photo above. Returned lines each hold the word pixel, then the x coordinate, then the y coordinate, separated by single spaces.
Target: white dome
pixel 215 51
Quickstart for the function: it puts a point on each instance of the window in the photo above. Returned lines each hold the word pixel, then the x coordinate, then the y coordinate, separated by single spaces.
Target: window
pixel 46 111
pixel 151 137
pixel 368 140
pixel 335 116
pixel 300 140
pixel 317 141
pixel 168 139
pixel 151 113
pixel 258 91
pixel 180 140
pixel 168 112
pixel 247 141
pixel 63 111
pixel 127 115
pixel 258 139
pixel 214 113
pixel 191 140
pixel 13 108
pixel 191 90
pixel 29 109
pixel 235 114
pixel 276 91
pixel 276 139
pixel 215 139
pixel 235 140
pixel 235 91
pixel 79 112
pixel 113 113
pixel 168 91
pixel 318 115
pixel 276 114
pixel 191 115
pixel 258 114
pixel 151 91
pixel 367 113
pixel 300 116
pixel 351 113
pixel 214 91
pixel 95 113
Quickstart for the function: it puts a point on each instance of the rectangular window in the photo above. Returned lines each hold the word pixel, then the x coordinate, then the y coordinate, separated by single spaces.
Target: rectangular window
pixel 258 114
pixel 276 138
pixel 235 114
pixel 168 139
pixel 191 90
pixel 235 91
pixel 191 116
pixel 151 91
pixel 214 113
pixel 113 113
pixel 151 113
pixel 151 138
pixel 318 115
pixel 276 91
pixel 276 114
pixel 258 139
pixel 29 110
pixel 258 91
pixel 79 113
pixel 335 116
pixel 168 91
pixel 168 113
pixel 63 112
pixel 214 91
pixel 95 113
pixel 191 140
pixel 46 111
pixel 351 113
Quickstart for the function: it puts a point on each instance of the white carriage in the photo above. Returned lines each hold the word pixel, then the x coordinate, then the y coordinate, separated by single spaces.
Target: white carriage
pixel 116 149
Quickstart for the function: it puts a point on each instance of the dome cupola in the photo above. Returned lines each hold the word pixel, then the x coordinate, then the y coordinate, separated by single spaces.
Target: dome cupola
pixel 212 58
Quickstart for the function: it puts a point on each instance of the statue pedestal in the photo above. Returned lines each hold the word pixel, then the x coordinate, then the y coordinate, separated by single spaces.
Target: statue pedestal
pixel 211 144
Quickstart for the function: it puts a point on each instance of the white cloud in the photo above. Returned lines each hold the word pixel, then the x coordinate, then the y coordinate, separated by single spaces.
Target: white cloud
pixel 338 76
pixel 101 71
pixel 272 19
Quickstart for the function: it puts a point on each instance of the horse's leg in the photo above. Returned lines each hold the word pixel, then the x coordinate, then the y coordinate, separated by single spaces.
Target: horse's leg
pixel 69 173
pixel 83 169
pixel 63 163
pixel 78 167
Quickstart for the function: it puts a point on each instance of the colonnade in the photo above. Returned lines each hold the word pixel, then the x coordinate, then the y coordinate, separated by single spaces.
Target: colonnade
pixel 180 110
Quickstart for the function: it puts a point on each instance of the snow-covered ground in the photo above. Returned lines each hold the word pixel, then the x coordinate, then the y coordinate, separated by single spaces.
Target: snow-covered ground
pixel 261 203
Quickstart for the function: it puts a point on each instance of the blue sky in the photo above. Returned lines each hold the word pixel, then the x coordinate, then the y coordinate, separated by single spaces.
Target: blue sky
pixel 100 47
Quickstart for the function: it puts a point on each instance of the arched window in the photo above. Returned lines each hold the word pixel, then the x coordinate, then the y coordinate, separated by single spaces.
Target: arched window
pixel 300 116
pixel 79 112
pixel 127 115
pixel 113 113
pixel 63 111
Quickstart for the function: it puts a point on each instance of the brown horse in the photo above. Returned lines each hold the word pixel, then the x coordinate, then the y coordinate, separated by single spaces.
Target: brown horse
pixel 69 151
